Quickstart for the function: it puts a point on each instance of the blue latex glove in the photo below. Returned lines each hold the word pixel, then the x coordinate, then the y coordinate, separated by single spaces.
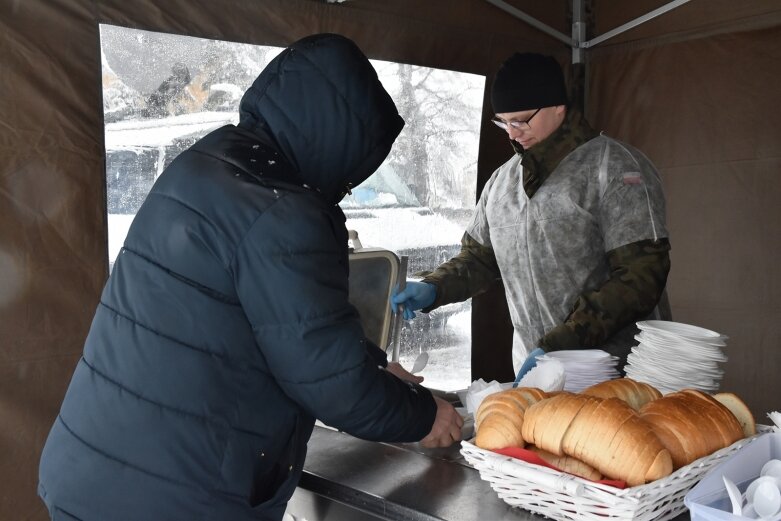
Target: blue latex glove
pixel 417 295
pixel 528 364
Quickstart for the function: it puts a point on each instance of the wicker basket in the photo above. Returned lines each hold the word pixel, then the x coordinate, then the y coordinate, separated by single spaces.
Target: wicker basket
pixel 565 497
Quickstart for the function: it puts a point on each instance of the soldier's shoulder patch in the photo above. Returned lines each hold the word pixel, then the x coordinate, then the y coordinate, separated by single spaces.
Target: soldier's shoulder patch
pixel 632 178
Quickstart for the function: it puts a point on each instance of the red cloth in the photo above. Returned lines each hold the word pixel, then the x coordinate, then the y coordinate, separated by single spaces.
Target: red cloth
pixel 532 457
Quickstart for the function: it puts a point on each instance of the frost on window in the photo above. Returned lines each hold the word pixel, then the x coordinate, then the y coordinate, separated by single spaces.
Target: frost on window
pixel 162 92
pixel 419 201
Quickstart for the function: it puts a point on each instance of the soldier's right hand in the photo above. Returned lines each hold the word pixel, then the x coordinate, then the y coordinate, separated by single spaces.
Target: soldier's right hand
pixel 415 296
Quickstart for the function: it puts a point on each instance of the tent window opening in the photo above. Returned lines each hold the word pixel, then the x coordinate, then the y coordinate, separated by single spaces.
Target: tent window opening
pixel 162 92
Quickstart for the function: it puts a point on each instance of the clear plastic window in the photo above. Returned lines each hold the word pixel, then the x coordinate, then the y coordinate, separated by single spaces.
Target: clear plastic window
pixel 162 92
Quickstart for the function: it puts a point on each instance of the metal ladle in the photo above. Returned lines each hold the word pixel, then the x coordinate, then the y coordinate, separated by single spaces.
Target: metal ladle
pixel 420 363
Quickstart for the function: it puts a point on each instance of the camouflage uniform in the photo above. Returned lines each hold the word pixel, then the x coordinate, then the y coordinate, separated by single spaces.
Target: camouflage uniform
pixel 581 246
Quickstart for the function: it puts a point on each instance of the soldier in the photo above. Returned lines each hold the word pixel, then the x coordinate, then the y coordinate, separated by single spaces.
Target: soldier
pixel 573 224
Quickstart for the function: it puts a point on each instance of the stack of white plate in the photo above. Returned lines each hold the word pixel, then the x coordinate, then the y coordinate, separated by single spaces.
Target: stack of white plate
pixel 672 356
pixel 583 367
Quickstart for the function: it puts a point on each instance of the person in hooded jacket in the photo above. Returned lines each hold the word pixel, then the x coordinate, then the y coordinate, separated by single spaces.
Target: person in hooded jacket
pixel 573 225
pixel 224 329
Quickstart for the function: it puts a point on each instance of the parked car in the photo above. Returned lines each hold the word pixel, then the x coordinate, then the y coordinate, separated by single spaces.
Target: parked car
pixel 387 214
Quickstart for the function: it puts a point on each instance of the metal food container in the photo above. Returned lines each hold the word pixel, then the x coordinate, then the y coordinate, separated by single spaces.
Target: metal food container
pixel 373 274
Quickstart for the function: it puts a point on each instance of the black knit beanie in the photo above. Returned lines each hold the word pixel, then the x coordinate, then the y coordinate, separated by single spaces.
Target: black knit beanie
pixel 527 81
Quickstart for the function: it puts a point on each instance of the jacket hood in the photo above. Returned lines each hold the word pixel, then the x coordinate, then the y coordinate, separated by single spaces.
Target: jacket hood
pixel 322 103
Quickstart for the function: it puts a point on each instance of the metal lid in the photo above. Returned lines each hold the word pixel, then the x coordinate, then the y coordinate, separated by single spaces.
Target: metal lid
pixel 373 274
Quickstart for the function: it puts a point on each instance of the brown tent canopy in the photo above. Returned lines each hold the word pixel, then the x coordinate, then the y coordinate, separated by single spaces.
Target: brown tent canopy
pixel 695 88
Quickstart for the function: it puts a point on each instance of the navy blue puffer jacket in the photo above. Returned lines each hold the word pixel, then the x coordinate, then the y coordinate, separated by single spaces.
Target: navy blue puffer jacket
pixel 224 329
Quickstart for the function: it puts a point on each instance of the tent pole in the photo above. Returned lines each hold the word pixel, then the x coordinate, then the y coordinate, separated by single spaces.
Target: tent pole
pixel 578 31
pixel 578 41
pixel 634 23
pixel 550 31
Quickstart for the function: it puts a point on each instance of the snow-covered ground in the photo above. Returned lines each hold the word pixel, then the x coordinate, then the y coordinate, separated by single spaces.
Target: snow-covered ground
pixel 151 133
pixel 400 229
pixel 118 226
pixel 449 368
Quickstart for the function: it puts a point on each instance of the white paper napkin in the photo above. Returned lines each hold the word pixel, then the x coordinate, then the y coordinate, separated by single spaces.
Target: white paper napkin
pixel 547 375
pixel 775 417
pixel 478 391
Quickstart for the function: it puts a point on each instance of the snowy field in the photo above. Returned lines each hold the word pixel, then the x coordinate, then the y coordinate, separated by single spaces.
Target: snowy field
pixel 449 368
pixel 449 365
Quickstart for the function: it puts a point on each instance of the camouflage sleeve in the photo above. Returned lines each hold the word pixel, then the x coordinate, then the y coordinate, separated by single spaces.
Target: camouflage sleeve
pixel 638 277
pixel 469 273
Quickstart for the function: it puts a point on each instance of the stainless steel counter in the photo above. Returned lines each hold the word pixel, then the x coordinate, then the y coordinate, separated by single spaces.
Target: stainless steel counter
pixel 349 479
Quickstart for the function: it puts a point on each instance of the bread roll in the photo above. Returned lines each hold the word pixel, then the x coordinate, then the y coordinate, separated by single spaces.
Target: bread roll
pixel 547 421
pixel 498 432
pixel 530 395
pixel 498 403
pixel 593 430
pixel 670 438
pixel 674 416
pixel 691 424
pixel 499 419
pixel 520 398
pixel 740 410
pixel 607 434
pixel 636 394
pixel 635 454
pixel 568 464
pixel 725 425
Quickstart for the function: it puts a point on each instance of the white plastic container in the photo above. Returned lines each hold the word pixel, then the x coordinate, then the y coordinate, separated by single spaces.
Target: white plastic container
pixel 708 499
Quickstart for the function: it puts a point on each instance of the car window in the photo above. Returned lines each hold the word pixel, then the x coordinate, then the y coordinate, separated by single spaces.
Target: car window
pixel 384 189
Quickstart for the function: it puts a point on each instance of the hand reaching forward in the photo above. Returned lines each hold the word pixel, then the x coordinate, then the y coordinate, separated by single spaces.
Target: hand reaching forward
pixel 447 426
pixel 417 295
pixel 398 371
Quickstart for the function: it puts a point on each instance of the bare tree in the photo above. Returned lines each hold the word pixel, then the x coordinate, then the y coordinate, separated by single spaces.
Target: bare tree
pixel 433 151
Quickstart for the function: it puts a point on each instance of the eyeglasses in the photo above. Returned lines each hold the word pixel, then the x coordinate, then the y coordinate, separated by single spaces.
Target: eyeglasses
pixel 517 125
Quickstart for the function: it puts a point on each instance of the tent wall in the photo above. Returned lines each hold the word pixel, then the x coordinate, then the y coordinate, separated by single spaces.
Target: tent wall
pixel 705 110
pixel 53 245
pixel 701 106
